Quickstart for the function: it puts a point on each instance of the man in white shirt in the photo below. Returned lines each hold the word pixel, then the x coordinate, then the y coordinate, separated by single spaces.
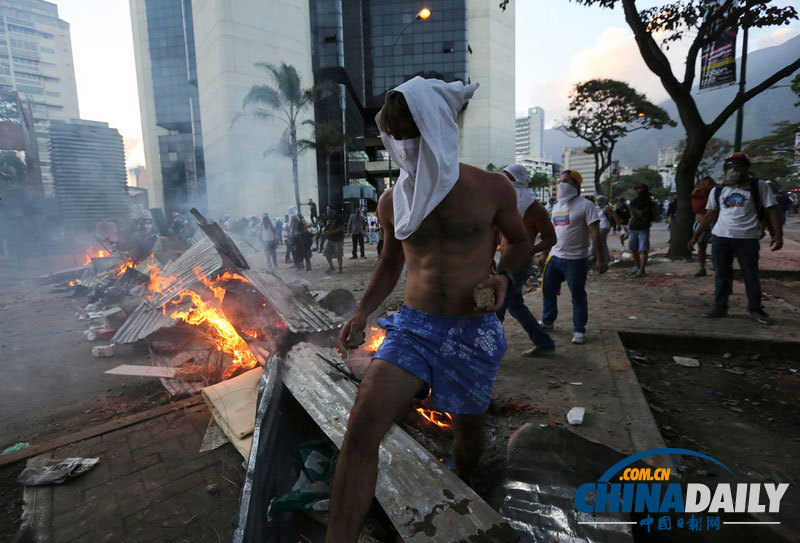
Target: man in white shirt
pixel 576 220
pixel 737 207
pixel 372 223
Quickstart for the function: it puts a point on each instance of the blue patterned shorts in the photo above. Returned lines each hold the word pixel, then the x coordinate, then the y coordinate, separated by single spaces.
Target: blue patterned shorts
pixel 457 357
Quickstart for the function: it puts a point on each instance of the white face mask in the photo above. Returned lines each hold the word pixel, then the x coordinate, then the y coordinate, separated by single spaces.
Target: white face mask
pixel 566 191
pixel 408 154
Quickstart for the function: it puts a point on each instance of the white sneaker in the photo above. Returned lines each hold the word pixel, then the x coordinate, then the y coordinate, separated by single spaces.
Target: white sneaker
pixel 545 326
pixel 578 337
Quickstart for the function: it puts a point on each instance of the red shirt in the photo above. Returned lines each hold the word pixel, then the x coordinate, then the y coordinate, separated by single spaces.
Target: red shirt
pixel 700 196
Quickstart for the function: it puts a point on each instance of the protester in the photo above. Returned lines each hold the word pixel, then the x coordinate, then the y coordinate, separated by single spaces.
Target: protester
pixel 279 229
pixel 372 225
pixel 738 206
pixel 644 211
pixel 334 240
pixel 608 221
pixel 624 216
pixel 303 239
pixel 312 211
pixel 269 240
pixel 670 212
pixel 576 221
pixel 439 219
pixel 356 227
pixel 379 227
pixel 537 221
pixel 784 203
pixel 699 200
pixel 291 231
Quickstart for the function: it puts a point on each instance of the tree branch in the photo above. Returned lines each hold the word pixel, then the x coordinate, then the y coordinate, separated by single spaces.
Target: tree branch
pixel 741 99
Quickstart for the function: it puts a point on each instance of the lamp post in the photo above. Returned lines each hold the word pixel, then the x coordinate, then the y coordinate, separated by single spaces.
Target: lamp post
pixel 423 15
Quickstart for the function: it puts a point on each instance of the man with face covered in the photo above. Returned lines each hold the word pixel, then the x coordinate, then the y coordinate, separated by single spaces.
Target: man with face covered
pixel 737 206
pixel 438 219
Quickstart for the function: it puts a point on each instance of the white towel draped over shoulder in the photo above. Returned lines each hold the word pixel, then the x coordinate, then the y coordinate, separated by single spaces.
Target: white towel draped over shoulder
pixel 525 196
pixel 434 105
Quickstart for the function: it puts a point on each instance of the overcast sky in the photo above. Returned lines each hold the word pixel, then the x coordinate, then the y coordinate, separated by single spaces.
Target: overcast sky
pixel 559 44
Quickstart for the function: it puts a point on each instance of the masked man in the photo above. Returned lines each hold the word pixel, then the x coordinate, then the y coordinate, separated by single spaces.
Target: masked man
pixel 738 207
pixel 576 220
pixel 439 220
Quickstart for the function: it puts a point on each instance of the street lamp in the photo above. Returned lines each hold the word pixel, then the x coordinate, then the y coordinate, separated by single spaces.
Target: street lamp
pixel 423 15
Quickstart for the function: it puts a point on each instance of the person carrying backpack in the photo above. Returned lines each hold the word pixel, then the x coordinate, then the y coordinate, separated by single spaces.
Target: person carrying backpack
pixel 700 196
pixel 644 211
pixel 738 206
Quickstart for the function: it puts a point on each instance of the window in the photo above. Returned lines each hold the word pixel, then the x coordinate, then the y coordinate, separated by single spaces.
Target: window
pixel 21 44
pixel 47 50
pixel 22 30
pixel 54 94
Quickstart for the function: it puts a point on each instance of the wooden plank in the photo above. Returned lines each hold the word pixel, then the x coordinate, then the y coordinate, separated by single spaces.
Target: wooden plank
pixel 143 371
pixel 100 429
pixel 425 501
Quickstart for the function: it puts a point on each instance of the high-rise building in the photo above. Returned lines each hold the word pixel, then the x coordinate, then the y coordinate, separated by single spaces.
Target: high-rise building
pixel 528 136
pixel 88 162
pixel 166 71
pixel 36 61
pixel 577 158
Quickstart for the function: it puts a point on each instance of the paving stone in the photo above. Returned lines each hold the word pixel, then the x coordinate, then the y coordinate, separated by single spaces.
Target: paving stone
pixel 123 468
pixel 132 499
pixel 117 485
pixel 192 481
pixel 71 530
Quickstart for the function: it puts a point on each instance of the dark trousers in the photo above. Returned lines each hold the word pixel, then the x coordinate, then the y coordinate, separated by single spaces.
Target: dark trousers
pixel 574 273
pixel 515 305
pixel 359 239
pixel 723 250
pixel 270 249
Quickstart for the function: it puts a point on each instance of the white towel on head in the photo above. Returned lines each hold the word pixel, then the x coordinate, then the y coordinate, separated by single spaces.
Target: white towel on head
pixel 525 196
pixel 434 105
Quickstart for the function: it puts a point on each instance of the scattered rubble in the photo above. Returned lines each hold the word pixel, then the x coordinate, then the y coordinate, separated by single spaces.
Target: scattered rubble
pixel 686 362
pixel 575 415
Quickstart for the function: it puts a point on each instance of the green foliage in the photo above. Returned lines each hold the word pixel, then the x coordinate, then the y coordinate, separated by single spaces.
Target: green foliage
pixel 773 155
pixel 539 179
pixel 624 185
pixel 328 137
pixel 605 110
pixel 491 167
pixel 12 169
pixel 796 88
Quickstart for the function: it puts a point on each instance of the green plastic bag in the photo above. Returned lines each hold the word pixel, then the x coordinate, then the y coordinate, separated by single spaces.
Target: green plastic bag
pixel 312 491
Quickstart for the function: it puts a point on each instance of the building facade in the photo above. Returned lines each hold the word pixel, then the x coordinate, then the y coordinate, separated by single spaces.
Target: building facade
pixel 529 133
pixel 36 61
pixel 88 163
pixel 576 158
pixel 166 69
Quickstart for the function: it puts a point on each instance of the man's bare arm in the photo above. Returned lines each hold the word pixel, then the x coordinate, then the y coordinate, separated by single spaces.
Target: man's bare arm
pixel 384 278
pixel 708 219
pixel 543 225
pixel 777 227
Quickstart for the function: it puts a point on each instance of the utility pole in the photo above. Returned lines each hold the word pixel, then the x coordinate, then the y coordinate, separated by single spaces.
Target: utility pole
pixel 737 140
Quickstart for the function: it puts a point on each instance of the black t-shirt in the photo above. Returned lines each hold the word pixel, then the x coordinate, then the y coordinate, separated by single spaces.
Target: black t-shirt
pixel 623 213
pixel 642 213
pixel 332 222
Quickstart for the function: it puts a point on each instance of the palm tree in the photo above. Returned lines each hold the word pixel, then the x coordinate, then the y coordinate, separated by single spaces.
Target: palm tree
pixel 328 139
pixel 286 102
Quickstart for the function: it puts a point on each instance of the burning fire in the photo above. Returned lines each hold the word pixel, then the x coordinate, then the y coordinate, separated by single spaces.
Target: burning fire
pixel 376 339
pixel 442 420
pixel 128 263
pixel 75 282
pixel 157 283
pixel 201 313
pixel 91 253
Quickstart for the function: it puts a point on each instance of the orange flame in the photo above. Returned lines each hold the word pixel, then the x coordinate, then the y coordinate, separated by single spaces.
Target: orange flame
pixel 376 339
pixel 91 253
pixel 157 283
pixel 442 420
pixel 75 282
pixel 128 263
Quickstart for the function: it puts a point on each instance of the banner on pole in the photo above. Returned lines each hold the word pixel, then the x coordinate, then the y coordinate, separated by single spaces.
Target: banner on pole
pixel 718 59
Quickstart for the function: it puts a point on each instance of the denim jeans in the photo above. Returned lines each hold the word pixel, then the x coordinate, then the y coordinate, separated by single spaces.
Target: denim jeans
pixel 746 251
pixel 515 305
pixel 574 272
pixel 603 238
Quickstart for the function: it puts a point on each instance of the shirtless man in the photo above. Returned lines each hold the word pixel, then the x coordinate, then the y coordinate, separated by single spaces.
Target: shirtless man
pixel 438 339
pixel 537 221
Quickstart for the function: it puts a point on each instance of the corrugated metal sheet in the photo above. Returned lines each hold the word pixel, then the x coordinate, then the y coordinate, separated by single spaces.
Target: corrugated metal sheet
pixel 298 311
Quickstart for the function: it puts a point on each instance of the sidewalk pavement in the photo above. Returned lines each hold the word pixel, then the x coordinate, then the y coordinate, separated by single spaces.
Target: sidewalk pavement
pixel 151 484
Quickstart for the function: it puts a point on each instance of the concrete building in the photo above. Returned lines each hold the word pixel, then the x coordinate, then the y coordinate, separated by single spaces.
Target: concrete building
pixel 576 158
pixel 487 134
pixel 529 133
pixel 36 61
pixel 166 72
pixel 668 156
pixel 88 163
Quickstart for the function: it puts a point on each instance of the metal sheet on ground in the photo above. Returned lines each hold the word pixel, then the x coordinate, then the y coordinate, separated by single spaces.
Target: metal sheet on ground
pixel 423 499
pixel 142 371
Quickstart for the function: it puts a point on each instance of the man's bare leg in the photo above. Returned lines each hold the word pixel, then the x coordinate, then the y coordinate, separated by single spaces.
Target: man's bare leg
pixel 636 259
pixel 467 443
pixel 385 391
pixel 339 259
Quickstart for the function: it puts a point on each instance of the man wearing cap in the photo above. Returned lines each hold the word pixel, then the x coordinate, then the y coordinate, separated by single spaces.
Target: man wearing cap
pixel 537 221
pixel 576 221
pixel 643 212
pixel 439 219
pixel 738 206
